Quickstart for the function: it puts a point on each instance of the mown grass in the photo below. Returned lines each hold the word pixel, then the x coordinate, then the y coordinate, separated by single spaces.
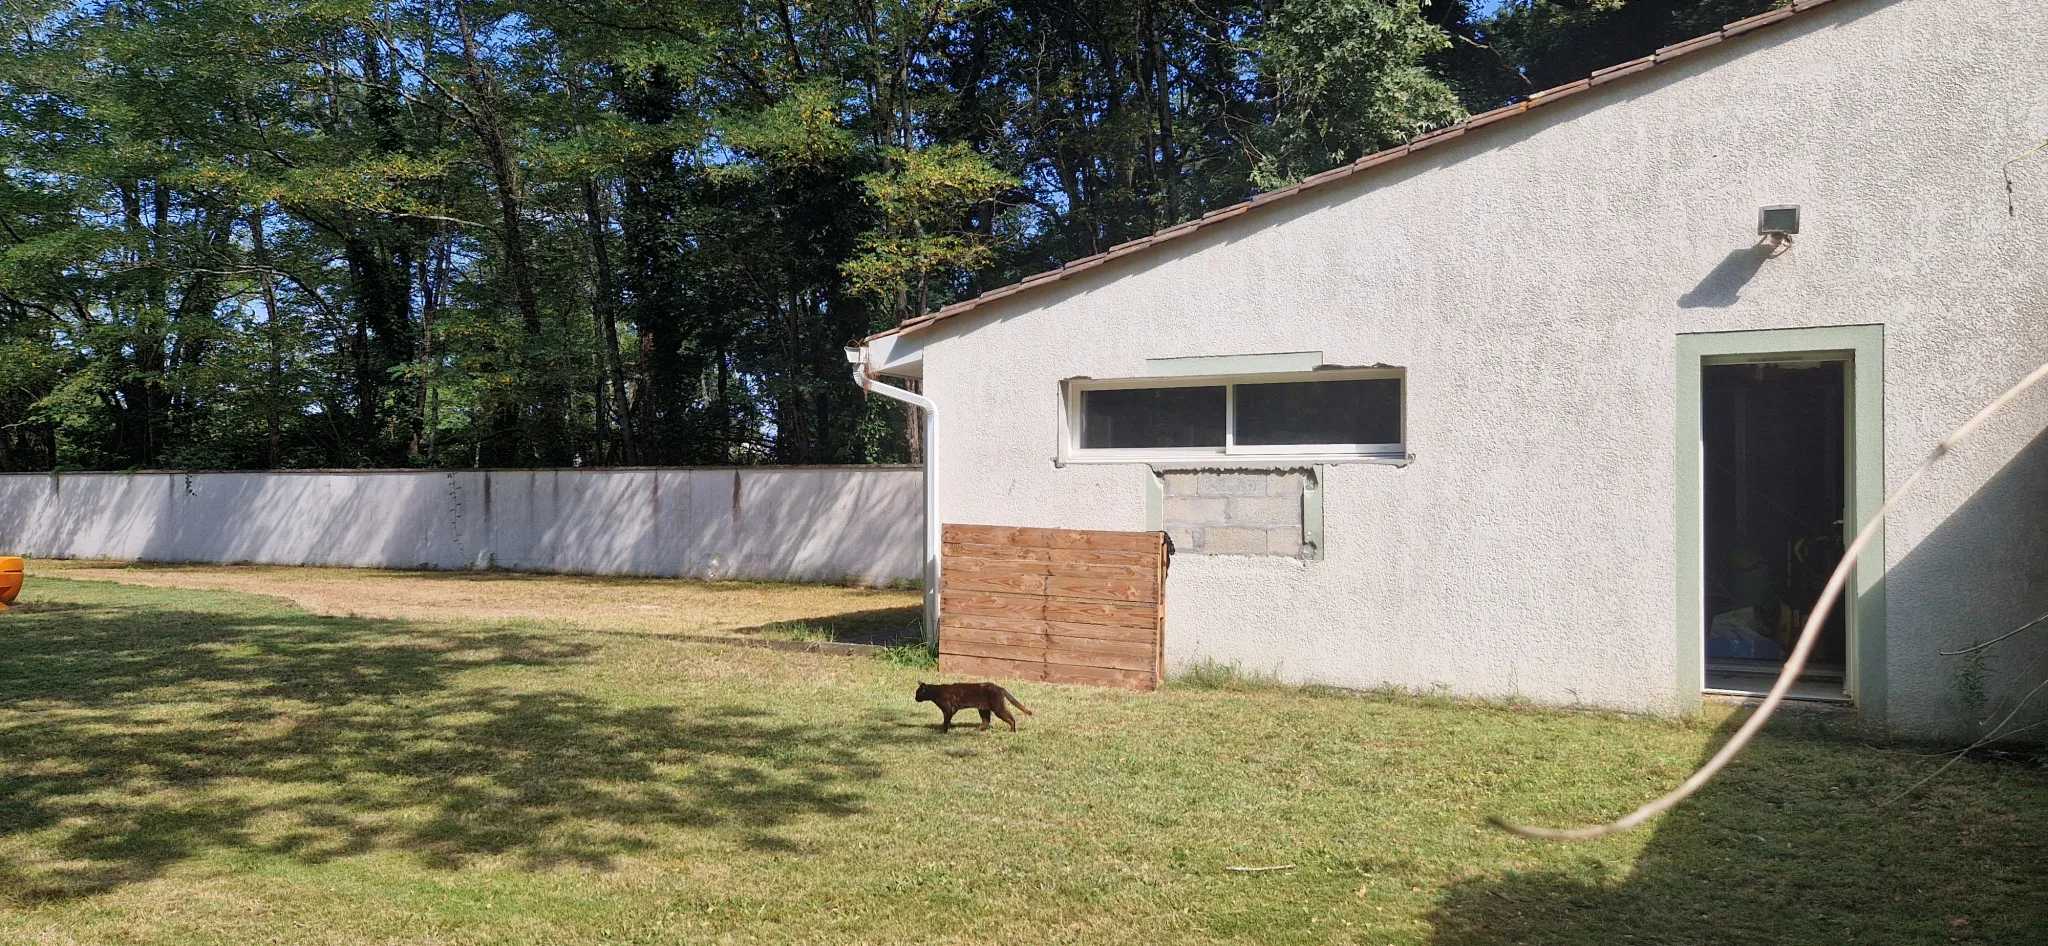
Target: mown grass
pixel 183 766
pixel 607 603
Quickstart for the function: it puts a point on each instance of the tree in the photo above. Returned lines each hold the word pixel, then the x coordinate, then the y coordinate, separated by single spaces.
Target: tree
pixel 277 233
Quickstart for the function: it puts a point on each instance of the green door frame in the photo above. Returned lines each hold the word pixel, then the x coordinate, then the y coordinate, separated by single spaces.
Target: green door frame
pixel 1862 347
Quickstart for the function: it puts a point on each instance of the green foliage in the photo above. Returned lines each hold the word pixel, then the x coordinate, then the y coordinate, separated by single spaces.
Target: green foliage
pixel 1530 45
pixel 1210 674
pixel 915 656
pixel 804 129
pixel 257 233
pixel 1350 80
pixel 1971 681
pixel 918 193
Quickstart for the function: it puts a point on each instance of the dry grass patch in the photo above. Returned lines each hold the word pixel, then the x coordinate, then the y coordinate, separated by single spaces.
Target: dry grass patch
pixel 659 606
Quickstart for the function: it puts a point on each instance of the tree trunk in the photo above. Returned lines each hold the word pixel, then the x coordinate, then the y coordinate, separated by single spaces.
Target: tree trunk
pixel 487 122
pixel 273 423
pixel 607 315
pixel 1167 167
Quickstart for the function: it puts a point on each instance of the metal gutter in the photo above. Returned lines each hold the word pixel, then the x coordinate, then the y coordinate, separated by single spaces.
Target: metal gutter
pixel 864 376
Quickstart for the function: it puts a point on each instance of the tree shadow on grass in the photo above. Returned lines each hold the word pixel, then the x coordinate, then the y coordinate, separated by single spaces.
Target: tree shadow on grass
pixel 879 626
pixel 134 738
pixel 1789 846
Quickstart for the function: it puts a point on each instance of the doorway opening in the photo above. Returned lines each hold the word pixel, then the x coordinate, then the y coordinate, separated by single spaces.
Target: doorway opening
pixel 1775 439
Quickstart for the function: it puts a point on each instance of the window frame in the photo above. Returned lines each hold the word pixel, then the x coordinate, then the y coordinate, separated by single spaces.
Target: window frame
pixel 1072 420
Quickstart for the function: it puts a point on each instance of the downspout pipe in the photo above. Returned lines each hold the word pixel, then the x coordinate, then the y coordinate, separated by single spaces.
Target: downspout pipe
pixel 866 379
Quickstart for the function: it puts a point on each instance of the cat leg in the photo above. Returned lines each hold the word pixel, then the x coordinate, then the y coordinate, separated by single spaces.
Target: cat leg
pixel 984 721
pixel 1003 713
pixel 946 725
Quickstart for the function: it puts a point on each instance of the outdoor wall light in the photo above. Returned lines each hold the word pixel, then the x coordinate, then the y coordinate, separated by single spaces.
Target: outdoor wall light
pixel 1778 222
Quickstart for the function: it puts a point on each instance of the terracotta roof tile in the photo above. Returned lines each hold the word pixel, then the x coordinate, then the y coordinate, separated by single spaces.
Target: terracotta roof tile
pixel 1487 118
pixel 1676 50
pixel 1431 139
pixel 1548 96
pixel 1271 196
pixel 1438 136
pixel 1629 68
pixel 1378 158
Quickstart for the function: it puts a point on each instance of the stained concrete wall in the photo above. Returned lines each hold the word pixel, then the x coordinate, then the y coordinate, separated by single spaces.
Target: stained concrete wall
pixel 1532 277
pixel 863 523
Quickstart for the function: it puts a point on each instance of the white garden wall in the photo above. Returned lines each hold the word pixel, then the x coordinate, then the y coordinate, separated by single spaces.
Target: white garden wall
pixel 797 523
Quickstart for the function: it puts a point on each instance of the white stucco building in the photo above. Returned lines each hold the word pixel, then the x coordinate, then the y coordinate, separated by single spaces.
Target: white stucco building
pixel 1528 408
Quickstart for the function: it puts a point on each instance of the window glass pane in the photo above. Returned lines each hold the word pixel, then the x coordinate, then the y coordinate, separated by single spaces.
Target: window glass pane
pixel 1129 418
pixel 1358 411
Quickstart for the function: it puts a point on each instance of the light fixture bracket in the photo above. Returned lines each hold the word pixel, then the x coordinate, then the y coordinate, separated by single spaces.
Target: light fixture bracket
pixel 1778 222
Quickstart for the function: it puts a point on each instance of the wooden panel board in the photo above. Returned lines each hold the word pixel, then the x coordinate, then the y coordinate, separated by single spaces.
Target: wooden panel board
pixel 1033 626
pixel 997 669
pixel 968 564
pixel 1051 538
pixel 992 553
pixel 1050 655
pixel 1113 589
pixel 964 579
pixel 980 604
pixel 1053 605
pixel 1135 648
pixel 1079 611
pixel 1099 676
pixel 1032 578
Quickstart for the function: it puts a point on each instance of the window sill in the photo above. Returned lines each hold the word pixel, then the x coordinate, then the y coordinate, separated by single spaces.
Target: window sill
pixel 1240 461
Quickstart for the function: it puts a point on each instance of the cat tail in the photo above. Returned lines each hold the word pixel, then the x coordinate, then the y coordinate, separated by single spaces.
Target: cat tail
pixel 1018 703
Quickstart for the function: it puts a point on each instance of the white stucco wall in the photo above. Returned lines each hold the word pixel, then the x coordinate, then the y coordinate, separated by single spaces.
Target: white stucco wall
pixel 1532 277
pixel 765 523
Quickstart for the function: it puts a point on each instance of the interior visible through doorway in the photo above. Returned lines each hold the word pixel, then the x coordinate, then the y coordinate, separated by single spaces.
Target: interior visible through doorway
pixel 1775 448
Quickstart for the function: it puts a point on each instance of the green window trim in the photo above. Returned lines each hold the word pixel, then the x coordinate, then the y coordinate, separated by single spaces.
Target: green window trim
pixel 1864 601
pixel 1200 365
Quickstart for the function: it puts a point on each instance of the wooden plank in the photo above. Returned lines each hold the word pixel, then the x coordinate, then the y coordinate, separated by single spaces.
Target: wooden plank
pixel 1031 578
pixel 1052 538
pixel 1148 574
pixel 997 583
pixel 962 648
pixel 1144 559
pixel 1099 676
pixel 1134 648
pixel 1126 614
pixel 954 550
pixel 1113 589
pixel 947 635
pixel 1024 666
pixel 1053 660
pixel 983 604
pixel 1049 655
pixel 965 666
pixel 1058 657
pixel 1051 628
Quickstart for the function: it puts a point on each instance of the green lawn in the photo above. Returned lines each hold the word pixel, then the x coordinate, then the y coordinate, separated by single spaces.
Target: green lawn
pixel 181 766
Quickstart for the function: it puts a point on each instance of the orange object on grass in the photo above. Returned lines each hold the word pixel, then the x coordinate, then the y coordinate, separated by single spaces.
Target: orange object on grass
pixel 10 581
